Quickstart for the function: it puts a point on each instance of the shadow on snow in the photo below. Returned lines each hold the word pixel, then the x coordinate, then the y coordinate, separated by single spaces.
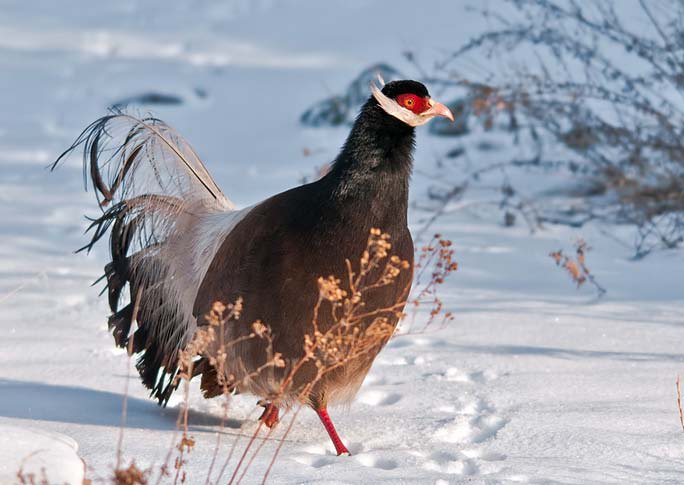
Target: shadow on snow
pixel 67 404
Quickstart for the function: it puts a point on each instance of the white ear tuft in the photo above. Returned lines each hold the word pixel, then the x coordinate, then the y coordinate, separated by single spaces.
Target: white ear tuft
pixel 380 79
pixel 391 107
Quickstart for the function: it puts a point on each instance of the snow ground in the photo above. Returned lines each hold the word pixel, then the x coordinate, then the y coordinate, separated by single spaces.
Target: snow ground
pixel 36 453
pixel 534 382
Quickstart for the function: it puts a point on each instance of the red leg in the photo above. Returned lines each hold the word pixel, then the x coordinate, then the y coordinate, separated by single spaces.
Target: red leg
pixel 270 414
pixel 332 432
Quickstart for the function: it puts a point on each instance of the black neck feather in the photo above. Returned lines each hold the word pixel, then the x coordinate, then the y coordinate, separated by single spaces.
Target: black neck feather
pixel 374 166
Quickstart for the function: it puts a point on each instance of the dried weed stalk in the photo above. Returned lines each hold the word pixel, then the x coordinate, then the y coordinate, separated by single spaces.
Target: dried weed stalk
pixel 577 267
pixel 31 478
pixel 437 258
pixel 679 403
pixel 132 475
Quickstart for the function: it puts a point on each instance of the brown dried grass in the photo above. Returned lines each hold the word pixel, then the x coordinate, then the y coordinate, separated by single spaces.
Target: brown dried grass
pixel 679 403
pixel 576 266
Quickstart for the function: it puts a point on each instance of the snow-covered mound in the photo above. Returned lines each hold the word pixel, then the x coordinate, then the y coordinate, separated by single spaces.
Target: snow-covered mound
pixel 28 451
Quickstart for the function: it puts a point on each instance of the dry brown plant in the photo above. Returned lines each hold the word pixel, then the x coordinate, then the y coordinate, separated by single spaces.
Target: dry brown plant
pixel 577 267
pixel 31 478
pixel 436 260
pixel 132 475
pixel 679 403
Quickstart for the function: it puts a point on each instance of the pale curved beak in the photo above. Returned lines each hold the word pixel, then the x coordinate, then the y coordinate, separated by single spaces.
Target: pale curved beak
pixel 438 109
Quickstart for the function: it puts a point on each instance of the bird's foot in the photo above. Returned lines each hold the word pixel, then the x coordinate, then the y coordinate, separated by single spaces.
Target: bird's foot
pixel 342 451
pixel 270 415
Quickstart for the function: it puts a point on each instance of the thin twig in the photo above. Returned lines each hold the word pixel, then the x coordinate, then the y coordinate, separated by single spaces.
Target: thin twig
pixel 280 445
pixel 679 403
pixel 124 405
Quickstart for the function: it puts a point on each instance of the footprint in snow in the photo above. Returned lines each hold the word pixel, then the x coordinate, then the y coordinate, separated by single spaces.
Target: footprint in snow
pixel 476 422
pixel 316 461
pixel 319 456
pixel 451 463
pixel 455 374
pixel 467 462
pixel 471 429
pixel 326 449
pixel 369 460
pixel 483 455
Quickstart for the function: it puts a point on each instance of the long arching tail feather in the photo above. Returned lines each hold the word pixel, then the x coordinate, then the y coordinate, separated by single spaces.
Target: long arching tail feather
pixel 154 192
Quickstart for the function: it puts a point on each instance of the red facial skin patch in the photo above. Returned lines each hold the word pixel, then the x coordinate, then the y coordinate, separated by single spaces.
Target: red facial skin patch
pixel 413 102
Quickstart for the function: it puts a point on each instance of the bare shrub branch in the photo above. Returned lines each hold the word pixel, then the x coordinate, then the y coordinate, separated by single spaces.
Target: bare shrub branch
pixel 607 91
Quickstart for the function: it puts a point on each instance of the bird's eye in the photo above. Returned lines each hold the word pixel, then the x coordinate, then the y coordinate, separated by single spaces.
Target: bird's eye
pixel 409 102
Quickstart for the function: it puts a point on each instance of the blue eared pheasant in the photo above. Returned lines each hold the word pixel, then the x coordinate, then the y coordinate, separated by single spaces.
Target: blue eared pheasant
pixel 178 245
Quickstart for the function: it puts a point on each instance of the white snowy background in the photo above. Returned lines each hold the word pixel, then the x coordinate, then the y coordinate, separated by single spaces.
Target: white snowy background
pixel 534 381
